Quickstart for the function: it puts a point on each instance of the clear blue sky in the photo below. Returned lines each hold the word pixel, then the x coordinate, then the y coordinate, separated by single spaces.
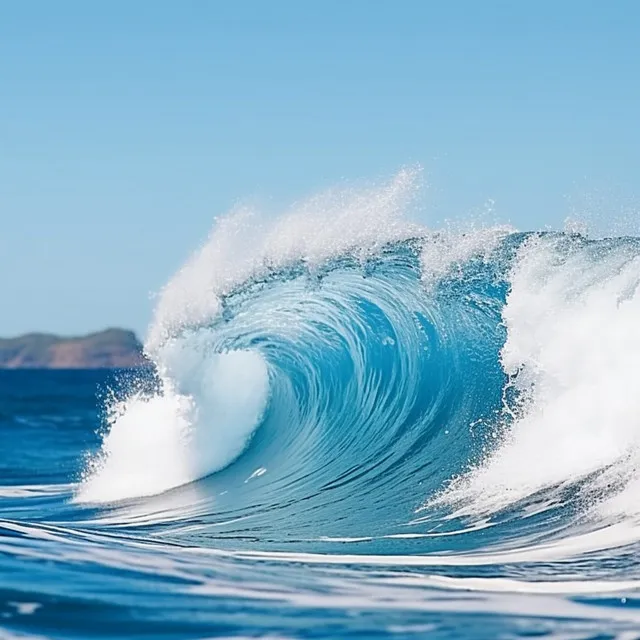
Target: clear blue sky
pixel 126 126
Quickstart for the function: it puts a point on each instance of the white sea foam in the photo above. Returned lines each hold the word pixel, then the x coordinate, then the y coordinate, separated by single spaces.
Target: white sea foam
pixel 449 249
pixel 573 347
pixel 187 431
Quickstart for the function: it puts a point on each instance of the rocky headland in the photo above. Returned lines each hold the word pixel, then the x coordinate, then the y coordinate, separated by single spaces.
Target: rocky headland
pixel 110 349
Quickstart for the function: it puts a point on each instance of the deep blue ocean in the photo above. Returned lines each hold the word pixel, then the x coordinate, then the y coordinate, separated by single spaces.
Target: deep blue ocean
pixel 360 430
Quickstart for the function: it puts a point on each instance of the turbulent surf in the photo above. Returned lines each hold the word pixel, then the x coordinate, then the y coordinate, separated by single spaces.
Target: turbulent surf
pixel 353 425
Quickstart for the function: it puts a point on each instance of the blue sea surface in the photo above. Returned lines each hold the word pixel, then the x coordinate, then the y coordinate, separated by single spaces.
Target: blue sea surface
pixel 371 446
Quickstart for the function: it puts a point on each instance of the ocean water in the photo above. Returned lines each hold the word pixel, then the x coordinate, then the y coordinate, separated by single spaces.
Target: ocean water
pixel 355 427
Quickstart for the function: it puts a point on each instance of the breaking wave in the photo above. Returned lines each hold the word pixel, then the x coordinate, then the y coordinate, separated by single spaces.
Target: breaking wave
pixel 339 375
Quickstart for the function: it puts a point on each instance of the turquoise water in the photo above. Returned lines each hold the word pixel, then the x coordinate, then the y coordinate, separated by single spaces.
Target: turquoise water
pixel 437 437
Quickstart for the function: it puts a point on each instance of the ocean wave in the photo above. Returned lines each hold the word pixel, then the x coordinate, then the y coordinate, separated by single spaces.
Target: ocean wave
pixel 340 376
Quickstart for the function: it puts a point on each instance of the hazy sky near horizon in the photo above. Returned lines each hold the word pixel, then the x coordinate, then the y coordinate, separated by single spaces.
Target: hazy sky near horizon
pixel 125 127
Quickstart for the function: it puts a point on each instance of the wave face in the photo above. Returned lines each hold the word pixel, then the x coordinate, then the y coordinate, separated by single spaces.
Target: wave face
pixel 350 412
pixel 347 364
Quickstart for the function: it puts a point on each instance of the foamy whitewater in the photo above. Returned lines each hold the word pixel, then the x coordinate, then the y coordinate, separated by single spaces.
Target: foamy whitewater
pixel 355 426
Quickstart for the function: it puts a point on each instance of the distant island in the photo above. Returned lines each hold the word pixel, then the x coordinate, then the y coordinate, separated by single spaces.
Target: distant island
pixel 110 349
